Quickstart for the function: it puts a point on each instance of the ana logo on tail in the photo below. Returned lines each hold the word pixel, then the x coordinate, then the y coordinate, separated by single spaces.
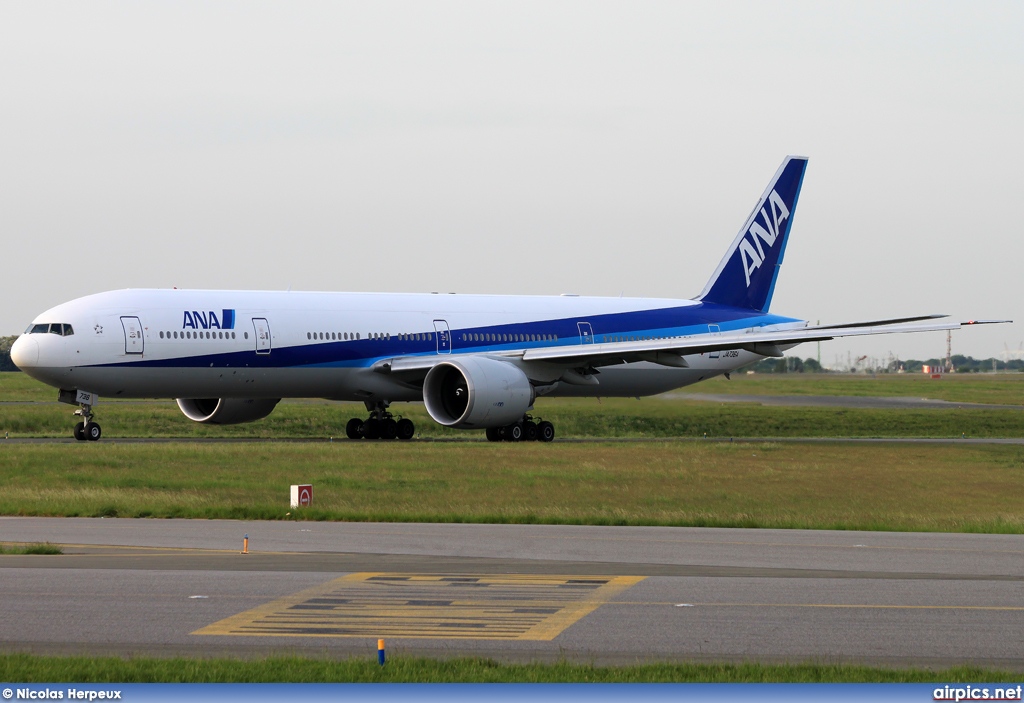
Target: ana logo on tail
pixel 752 254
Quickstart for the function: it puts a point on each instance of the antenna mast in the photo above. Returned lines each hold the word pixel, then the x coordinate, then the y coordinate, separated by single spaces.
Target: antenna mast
pixel 949 351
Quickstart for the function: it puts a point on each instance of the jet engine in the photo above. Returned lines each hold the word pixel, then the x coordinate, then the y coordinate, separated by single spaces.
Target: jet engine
pixel 476 393
pixel 227 411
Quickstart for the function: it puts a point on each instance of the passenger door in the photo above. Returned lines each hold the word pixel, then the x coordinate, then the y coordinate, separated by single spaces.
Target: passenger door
pixel 133 341
pixel 586 333
pixel 262 328
pixel 714 329
pixel 444 337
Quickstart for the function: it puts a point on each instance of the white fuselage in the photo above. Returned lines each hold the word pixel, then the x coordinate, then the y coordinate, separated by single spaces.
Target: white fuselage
pixel 253 344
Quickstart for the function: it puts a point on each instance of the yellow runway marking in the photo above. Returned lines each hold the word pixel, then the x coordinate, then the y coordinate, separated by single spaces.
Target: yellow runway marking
pixel 448 606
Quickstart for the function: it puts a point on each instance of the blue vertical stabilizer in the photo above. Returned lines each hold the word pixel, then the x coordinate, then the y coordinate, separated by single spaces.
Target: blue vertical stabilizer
pixel 746 277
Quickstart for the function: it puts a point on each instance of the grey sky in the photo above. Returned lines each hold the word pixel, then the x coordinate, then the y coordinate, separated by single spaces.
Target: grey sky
pixel 520 147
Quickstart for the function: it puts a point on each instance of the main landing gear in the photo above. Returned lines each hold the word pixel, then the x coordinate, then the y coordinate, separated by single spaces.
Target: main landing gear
pixel 380 425
pixel 526 430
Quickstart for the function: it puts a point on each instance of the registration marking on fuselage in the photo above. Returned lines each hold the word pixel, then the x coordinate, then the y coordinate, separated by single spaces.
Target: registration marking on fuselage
pixel 450 606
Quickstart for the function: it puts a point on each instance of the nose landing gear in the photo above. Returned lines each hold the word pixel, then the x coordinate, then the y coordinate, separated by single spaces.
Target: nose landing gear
pixel 87 430
pixel 380 425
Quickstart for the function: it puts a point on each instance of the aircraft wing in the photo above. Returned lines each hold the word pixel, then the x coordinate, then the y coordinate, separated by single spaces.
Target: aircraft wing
pixel 764 341
pixel 670 351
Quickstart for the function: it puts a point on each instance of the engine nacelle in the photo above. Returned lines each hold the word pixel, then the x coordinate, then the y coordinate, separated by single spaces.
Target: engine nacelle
pixel 227 411
pixel 476 392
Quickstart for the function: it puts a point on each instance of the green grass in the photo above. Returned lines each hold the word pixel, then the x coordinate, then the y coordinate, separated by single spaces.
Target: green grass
pixel 997 389
pixel 24 668
pixel 37 548
pixel 672 416
pixel 582 418
pixel 926 487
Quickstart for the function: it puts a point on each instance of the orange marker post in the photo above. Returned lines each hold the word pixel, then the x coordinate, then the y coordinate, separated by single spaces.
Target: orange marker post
pixel 245 545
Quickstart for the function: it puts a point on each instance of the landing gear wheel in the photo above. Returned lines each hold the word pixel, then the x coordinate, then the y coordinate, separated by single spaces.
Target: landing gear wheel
pixel 371 429
pixel 493 434
pixel 514 433
pixel 80 431
pixel 388 429
pixel 530 431
pixel 545 431
pixel 406 429
pixel 92 432
pixel 354 428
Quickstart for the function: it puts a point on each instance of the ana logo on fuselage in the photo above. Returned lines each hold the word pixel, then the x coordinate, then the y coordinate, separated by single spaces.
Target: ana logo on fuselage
pixel 196 320
pixel 751 251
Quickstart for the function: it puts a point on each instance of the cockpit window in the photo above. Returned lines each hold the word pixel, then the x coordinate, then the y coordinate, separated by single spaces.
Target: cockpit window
pixel 59 328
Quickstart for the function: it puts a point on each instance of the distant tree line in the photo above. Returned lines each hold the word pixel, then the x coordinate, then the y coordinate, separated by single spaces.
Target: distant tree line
pixel 5 354
pixel 961 364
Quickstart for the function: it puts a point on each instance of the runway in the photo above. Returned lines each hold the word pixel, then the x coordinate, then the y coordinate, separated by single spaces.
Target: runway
pixel 513 592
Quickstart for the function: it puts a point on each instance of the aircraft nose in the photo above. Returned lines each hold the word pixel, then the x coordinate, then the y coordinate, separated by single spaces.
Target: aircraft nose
pixel 25 352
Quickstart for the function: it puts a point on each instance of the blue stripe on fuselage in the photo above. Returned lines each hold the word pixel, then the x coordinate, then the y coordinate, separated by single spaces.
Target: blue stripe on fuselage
pixel 681 321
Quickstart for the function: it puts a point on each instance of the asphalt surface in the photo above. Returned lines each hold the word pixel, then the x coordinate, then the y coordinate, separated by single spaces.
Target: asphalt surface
pixel 513 592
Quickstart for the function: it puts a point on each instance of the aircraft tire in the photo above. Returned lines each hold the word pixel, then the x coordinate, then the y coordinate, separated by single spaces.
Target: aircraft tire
pixel 93 431
pixel 514 433
pixel 371 429
pixel 80 431
pixel 406 429
pixel 388 429
pixel 493 434
pixel 354 428
pixel 545 431
pixel 530 431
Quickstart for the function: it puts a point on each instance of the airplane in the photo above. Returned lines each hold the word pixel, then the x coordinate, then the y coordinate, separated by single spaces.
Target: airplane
pixel 475 361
